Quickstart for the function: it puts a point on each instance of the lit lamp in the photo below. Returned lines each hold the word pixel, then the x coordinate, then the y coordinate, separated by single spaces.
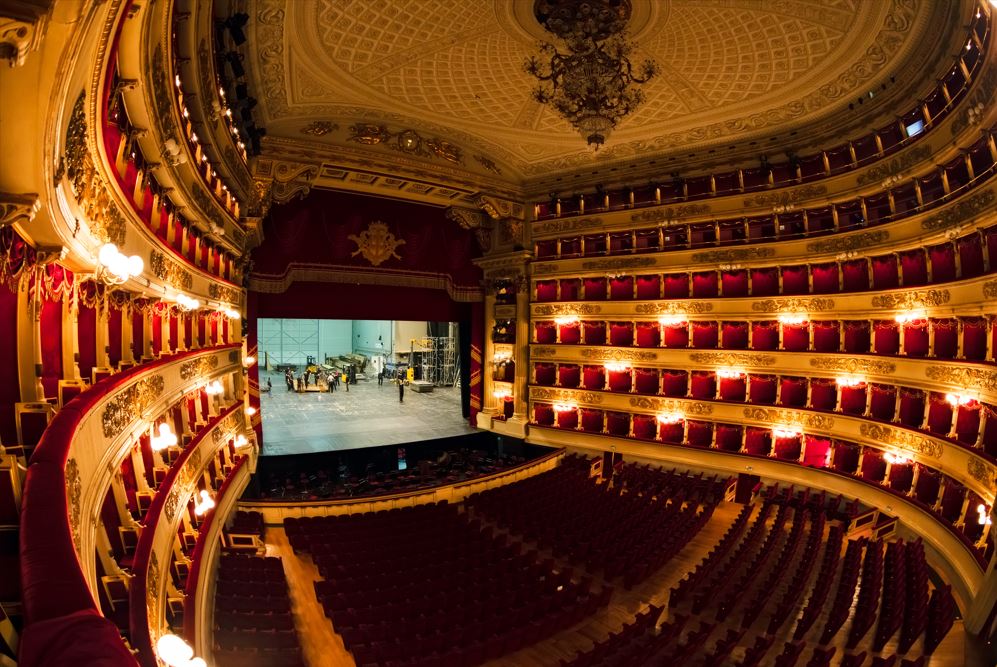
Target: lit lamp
pixel 850 381
pixel 565 320
pixel 230 313
pixel 673 320
pixel 241 440
pixel 564 407
pixel 249 361
pixel 955 400
pixel 983 517
pixel 730 373
pixel 114 268
pixel 617 366
pixel 895 459
pixel 214 388
pixel 786 431
pixel 911 316
pixel 165 439
pixel 250 410
pixel 175 652
pixel 793 318
pixel 202 506
pixel 501 394
pixel 187 303
pixel 670 417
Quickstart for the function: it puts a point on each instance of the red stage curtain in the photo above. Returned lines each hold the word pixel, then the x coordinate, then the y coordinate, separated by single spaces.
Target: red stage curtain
pixel 971 256
pixel 823 394
pixel 758 441
pixel 761 389
pixel 793 392
pixel 942 258
pixel 594 332
pixel 567 419
pixel 883 402
pixel 884 272
pixel 795 280
pixel 646 380
pixel 764 335
pixel 675 383
pixel 939 415
pixel 914 268
pixel 648 334
pixel 734 336
pixel 764 282
pixel 51 335
pixel 545 332
pixel 571 289
pixel 645 427
pixel 571 334
pixel 967 423
pixel 946 344
pixel 595 289
pixel 592 420
pixel 594 377
pixel 733 389
pixel 845 458
pixel 569 375
pixel 974 339
pixel 86 328
pixel 700 434
pixel 620 381
pixel 911 407
pixel 886 337
pixel 788 449
pixel 855 275
pixel 853 400
pixel 815 451
pixel 735 283
pixel 704 385
pixel 621 288
pixel 114 316
pixel 825 278
pixel 873 466
pixel 543 414
pixel 621 334
pixel 671 433
pixel 618 423
pixel 916 338
pixel 729 437
pixel 649 287
pixel 796 337
pixel 704 335
pixel 544 374
pixel 677 335
pixel 677 286
pixel 705 285
pixel 857 337
pixel 827 336
pixel 10 388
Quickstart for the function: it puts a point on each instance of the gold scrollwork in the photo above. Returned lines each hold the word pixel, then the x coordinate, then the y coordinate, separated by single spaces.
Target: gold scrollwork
pixel 152 589
pixel 169 271
pixel 971 378
pixel 670 213
pixel 74 491
pixel 172 502
pixel 791 305
pixel 733 255
pixel 822 422
pixel 222 293
pixel 544 394
pixel 902 439
pixel 853 365
pixel 671 405
pixel 617 263
pixel 732 358
pixel 982 473
pixel 990 289
pixel 916 299
pixel 787 197
pixel 547 310
pixel 846 243
pixel 405 141
pixel 128 405
pixel 960 212
pixel 566 226
pixel 673 308
pixel 543 352
pixel 617 355
pixel 197 367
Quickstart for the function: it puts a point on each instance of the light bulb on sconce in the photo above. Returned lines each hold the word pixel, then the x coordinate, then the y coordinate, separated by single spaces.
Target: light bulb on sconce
pixel 250 410
pixel 793 318
pixel 955 400
pixel 670 417
pixel 241 440
pixel 564 407
pixel 616 366
pixel 502 394
pixel 895 459
pixel 565 320
pixel 249 361
pixel 230 313
pixel 673 320
pixel 114 268
pixel 983 517
pixel 164 439
pixel 850 381
pixel 909 316
pixel 786 431
pixel 214 388
pixel 730 373
pixel 187 303
pixel 175 652
pixel 202 506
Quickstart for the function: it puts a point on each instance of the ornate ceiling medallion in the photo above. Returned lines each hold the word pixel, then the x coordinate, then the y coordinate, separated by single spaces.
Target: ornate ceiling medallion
pixel 406 141
pixel 376 244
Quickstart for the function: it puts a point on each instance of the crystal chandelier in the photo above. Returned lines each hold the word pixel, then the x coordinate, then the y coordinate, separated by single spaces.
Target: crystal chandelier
pixel 591 83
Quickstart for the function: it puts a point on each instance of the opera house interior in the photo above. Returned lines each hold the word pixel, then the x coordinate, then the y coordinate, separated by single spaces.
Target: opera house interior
pixel 705 289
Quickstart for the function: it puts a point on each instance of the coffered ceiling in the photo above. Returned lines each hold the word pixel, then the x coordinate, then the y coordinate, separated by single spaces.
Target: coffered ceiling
pixel 451 72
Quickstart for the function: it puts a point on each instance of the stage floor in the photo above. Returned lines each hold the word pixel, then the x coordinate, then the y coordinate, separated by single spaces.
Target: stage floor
pixel 365 416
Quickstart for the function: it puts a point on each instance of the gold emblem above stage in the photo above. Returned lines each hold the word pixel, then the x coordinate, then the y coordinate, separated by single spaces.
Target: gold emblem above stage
pixel 376 244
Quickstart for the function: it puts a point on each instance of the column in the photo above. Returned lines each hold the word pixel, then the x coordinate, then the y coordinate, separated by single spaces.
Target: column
pixel 103 361
pixel 29 344
pixel 164 322
pixel 70 341
pixel 147 333
pixel 913 481
pixel 127 336
pixel 521 350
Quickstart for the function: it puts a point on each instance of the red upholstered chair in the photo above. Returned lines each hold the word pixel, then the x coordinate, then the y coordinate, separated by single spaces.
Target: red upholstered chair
pixel 569 375
pixel 594 333
pixel 571 334
pixel 967 423
pixel 733 389
pixel 621 334
pixel 618 423
pixel 970 256
pixel 595 289
pixel 546 333
pixel 646 380
pixel 592 420
pixel 762 389
pixel 648 334
pixel 845 458
pixel 649 287
pixel 567 419
pixel 546 290
pixel 571 289
pixel 764 282
pixel 671 433
pixel 703 385
pixel 796 337
pixel 700 434
pixel 857 338
pixel 705 335
pixel 873 466
pixel 815 451
pixel 734 335
pixel 787 448
pixel 911 412
pixel 543 414
pixel 729 437
pixel 853 399
pixel 544 374
pixel 825 278
pixel 734 283
pixel 916 338
pixel 795 280
pixel 939 414
pixel 677 286
pixel 884 272
pixel 620 381
pixel 676 383
pixel 914 268
pixel 886 337
pixel 594 378
pixel 765 335
pixel 758 441
pixel 793 392
pixel 645 427
pixel 883 402
pixel 901 477
pixel 98 374
pixel 70 389
pixel 508 407
pixel 946 334
pixel 855 275
pixel 705 285
pixel 621 288
pixel 826 336
pixel 823 394
pixel 942 260
pixel 677 335
pixel 974 338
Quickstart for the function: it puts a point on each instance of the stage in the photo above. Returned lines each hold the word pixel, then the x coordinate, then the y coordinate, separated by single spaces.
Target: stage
pixel 365 416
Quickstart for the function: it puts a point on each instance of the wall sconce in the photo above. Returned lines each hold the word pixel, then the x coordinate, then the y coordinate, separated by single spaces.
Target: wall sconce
pixel 565 320
pixel 955 400
pixel 175 652
pixel 230 313
pixel 616 366
pixel 214 388
pixel 850 381
pixel 206 503
pixel 670 417
pixel 241 440
pixel 730 373
pixel 165 439
pixel 786 431
pixel 564 407
pixel 983 517
pixel 911 316
pixel 249 361
pixel 187 303
pixel 114 268
pixel 250 410
pixel 895 459
pixel 673 320
pixel 794 318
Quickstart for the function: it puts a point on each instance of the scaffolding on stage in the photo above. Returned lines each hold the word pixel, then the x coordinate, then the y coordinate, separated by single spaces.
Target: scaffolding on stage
pixel 439 360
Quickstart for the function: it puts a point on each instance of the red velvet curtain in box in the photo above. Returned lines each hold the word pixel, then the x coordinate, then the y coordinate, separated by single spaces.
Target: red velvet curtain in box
pixel 873 466
pixel 734 283
pixel 845 458
pixel 646 380
pixel 595 289
pixel 546 290
pixel 114 317
pixel 855 276
pixel 946 345
pixel 729 437
pixel 942 258
pixel 734 335
pixel 50 323
pixel 571 334
pixel 571 247
pixel 762 389
pixel 827 336
pixel 618 424
pixel 138 333
pixel 621 334
pixel 795 280
pixel 224 331
pixel 974 339
pixel 793 392
pixel 571 289
pixel 672 433
pixel 202 333
pixel 796 337
pixel 911 407
pixel 952 499
pixel 546 249
pixel 10 388
pixel 545 332
pixel 825 277
pixel 677 335
pixel 569 375
pixel 705 285
pixel 764 282
pixel 505 371
pixel 543 414
pixel 758 441
pixel 815 450
pixel 188 330
pixel 914 268
pixel 967 423
pixel 676 383
pixel 594 377
pixel 677 286
pixel 788 449
pixel 645 427
pixel 883 402
pixel 823 394
pixel 928 485
pixel 939 415
pixel 86 330
pixel 886 337
pixel 764 335
pixel 700 434
pixel 544 374
pixel 592 420
pixel 703 385
pixel 857 337
pixel 157 332
pixel 112 521
pixel 594 333
pixel 884 272
pixel 901 477
pixel 508 407
pixel 621 381
pixel 649 287
pixel 989 431
pixel 853 399
pixel 621 288
pixel 733 389
pixel 567 419
pixel 916 338
pixel 648 334
pixel 705 335
pixel 971 256
pixel 174 328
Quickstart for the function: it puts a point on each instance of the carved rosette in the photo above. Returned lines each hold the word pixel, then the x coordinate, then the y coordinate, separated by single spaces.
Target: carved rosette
pixel 671 405
pixel 74 491
pixel 853 365
pixel 557 309
pixel 809 421
pixel 970 378
pixel 792 305
pixel 128 405
pixel 564 395
pixel 732 358
pixel 617 355
pixel 917 299
pixel 172 502
pixel 170 272
pixel 902 439
pixel 198 367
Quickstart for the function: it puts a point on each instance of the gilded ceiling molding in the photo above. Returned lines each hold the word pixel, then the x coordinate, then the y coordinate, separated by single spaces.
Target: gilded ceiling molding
pixel 963 376
pixel 673 308
pixel 169 271
pixel 487 164
pixel 129 404
pixel 406 141
pixel 964 209
pixel 470 219
pixel 18 208
pixel 596 354
pixel 893 437
pixel 850 242
pixel 733 255
pixel 319 128
pixel 566 225
pixel 895 167
pixel 670 214
pixel 565 395
pixel 854 365
pixel 732 358
pixel 285 181
pixel 787 197
pixel 915 299
pixel 547 310
pixel 793 305
pixel 793 417
pixel 198 367
pixel 671 405
pixel 617 263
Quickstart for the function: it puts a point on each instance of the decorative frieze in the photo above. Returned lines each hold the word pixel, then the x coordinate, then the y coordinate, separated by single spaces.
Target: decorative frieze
pixel 906 160
pixel 915 299
pixel 990 289
pixel 172 502
pixel 847 243
pixel 787 197
pixel 614 263
pixel 696 408
pixel 854 365
pixel 673 308
pixel 964 209
pixel 565 395
pixel 732 358
pixel 775 416
pixel 670 213
pixel 567 225
pixel 982 473
pixel 792 305
pixel 733 255
pixel 170 272
pixel 18 208
pixel 222 293
pixel 152 579
pixel 129 404
pixel 543 352
pixel 893 437
pixel 981 379
pixel 556 309
pixel 74 491
pixel 616 354
pixel 198 367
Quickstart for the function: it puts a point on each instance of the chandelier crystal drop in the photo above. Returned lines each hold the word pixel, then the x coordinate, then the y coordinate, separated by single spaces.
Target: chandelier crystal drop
pixel 591 82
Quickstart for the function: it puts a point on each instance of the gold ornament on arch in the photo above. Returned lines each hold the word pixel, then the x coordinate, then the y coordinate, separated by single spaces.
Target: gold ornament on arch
pixel 376 243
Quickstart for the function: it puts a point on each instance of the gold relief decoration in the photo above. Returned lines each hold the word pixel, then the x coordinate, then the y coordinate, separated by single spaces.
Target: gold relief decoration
pixel 488 164
pixel 543 352
pixel 854 365
pixel 963 210
pixel 376 244
pixel 733 255
pixel 982 473
pixel 810 421
pixel 152 590
pixel 969 110
pixel 498 208
pixel 546 310
pixel 16 208
pixel 543 269
pixel 846 243
pixel 169 271
pixel 466 218
pixel 671 405
pixel 971 378
pixel 934 297
pixel 670 213
pixel 566 226
pixel 172 502
pixel 198 367
pixel 405 141
pixel 892 437
pixel 100 213
pixel 893 167
pixel 206 204
pixel 74 491
pixel 792 305
pixel 990 289
pixel 787 197
pixel 222 293
pixel 564 395
pixel 673 308
pixel 617 263
pixel 163 94
pixel 129 404
pixel 319 128
pixel 732 358
pixel 617 355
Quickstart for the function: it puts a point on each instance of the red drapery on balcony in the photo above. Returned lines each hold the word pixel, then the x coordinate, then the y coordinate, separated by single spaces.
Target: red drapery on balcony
pixel 764 282
pixel 795 280
pixel 571 334
pixel 928 485
pixel 815 449
pixel 729 437
pixel 967 423
pixel 567 419
pixel 901 477
pixel 873 466
pixel 911 411
pixel 939 415
pixel 916 338
pixel 946 344
pixel 884 273
pixel 845 458
pixel 646 380
pixel 823 394
pixel 762 389
pixel 765 335
pixel 942 258
pixel 594 377
pixel 677 286
pixel 571 289
pixel 648 334
pixel 734 336
pixel 733 389
pixel 649 287
pixel 796 337
pixel 854 276
pixel 592 420
pixel 620 381
pixel 621 334
pixel 758 441
pixel 677 335
pixel 618 423
pixel 883 402
pixel 788 449
pixel 703 385
pixel 569 375
pixel 705 285
pixel 676 383
pixel 543 414
pixel 595 289
pixel 974 339
pixel 886 337
pixel 545 332
pixel 853 399
pixel 594 332
pixel 793 392
pixel 621 288
pixel 827 336
pixel 825 277
pixel 971 256
pixel 857 337
pixel 914 268
pixel 705 335
pixel 671 433
pixel 544 373
pixel 734 283
pixel 645 427
pixel 700 433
